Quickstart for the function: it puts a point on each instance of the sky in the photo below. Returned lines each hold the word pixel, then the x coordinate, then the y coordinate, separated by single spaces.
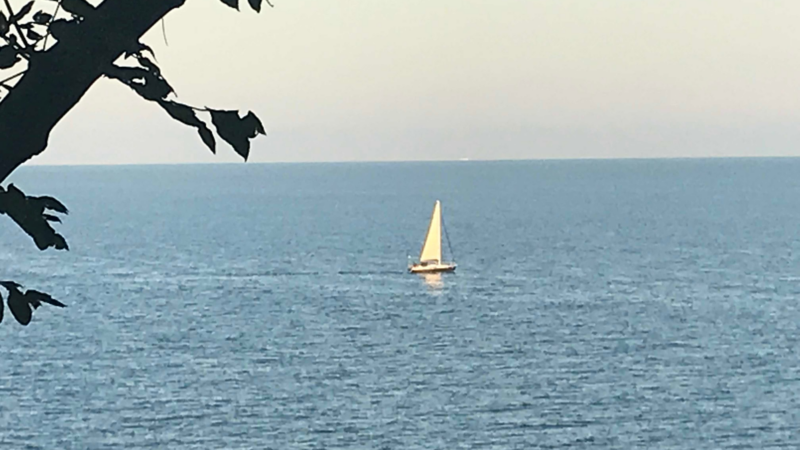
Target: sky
pixel 380 80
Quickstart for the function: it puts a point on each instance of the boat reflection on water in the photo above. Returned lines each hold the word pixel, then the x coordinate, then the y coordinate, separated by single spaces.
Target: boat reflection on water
pixel 433 280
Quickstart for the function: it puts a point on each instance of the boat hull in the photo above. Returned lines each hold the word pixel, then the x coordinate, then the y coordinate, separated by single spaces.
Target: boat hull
pixel 432 268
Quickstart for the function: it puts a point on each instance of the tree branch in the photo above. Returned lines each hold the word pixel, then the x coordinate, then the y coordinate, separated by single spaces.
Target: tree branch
pixel 16 25
pixel 57 79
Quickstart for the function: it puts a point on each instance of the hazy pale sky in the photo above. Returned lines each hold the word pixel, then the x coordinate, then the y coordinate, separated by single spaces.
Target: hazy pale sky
pixel 446 79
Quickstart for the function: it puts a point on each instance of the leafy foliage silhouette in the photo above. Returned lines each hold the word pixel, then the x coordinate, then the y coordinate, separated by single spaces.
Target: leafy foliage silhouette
pixel 52 75
pixel 20 303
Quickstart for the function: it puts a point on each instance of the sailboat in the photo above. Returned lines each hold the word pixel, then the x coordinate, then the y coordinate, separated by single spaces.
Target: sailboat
pixel 430 258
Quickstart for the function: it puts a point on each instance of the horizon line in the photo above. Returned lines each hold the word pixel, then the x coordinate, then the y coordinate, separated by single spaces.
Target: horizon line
pixel 411 161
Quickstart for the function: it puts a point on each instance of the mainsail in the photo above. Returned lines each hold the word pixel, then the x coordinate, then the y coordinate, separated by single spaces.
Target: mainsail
pixel 432 248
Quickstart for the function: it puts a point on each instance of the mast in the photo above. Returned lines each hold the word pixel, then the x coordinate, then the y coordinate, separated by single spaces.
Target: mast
pixel 447 237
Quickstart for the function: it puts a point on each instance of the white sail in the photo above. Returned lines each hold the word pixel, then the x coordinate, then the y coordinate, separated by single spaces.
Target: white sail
pixel 432 248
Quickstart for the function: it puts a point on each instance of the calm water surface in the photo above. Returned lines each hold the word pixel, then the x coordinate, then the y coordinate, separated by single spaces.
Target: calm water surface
pixel 598 304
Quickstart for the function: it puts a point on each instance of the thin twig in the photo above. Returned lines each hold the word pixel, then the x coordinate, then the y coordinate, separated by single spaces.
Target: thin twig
pixel 164 32
pixel 270 4
pixel 16 25
pixel 58 6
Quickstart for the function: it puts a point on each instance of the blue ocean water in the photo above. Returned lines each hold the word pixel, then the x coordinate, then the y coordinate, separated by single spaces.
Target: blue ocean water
pixel 597 304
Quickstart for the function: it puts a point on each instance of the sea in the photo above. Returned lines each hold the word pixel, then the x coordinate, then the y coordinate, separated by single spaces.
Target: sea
pixel 598 304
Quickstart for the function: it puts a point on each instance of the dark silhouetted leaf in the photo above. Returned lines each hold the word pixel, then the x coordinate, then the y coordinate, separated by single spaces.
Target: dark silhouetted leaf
pixel 181 113
pixel 51 218
pixel 232 3
pixel 186 115
pixel 28 213
pixel 147 84
pixel 227 124
pixel 2 308
pixel 34 36
pixel 21 13
pixel 146 48
pixel 153 89
pixel 138 48
pixel 37 296
pixel 126 75
pixel 237 131
pixel 3 24
pixel 251 122
pixel 8 57
pixel 60 243
pixel 61 28
pixel 20 303
pixel 149 65
pixel 255 4
pixel 47 202
pixel 208 138
pixel 20 308
pixel 42 18
pixel 10 285
pixel 80 8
